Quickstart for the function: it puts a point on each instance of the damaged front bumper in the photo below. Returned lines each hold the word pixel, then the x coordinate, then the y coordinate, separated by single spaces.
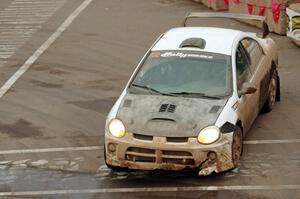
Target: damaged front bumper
pixel 150 153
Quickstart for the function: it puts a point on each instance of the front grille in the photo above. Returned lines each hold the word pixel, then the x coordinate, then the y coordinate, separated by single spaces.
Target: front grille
pixel 143 137
pixel 141 150
pixel 179 161
pixel 134 158
pixel 136 154
pixel 177 153
pixel 177 139
pixel 178 157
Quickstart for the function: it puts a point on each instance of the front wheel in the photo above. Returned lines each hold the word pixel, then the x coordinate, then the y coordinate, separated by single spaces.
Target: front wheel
pixel 237 146
pixel 272 94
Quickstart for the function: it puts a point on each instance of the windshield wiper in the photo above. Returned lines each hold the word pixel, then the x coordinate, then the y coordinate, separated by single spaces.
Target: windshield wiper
pixel 203 95
pixel 151 89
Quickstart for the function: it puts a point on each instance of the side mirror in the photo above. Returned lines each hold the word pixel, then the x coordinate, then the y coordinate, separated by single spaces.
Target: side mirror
pixel 247 88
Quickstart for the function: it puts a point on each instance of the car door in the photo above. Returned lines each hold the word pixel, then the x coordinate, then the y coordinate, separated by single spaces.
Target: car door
pixel 248 107
pixel 260 68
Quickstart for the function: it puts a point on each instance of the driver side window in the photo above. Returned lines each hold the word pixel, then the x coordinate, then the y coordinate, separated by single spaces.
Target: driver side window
pixel 242 66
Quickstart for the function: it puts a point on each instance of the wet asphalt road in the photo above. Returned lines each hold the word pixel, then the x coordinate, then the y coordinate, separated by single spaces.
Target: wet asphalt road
pixel 63 99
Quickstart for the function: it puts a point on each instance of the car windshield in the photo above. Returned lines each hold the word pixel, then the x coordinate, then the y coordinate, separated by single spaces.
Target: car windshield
pixel 184 73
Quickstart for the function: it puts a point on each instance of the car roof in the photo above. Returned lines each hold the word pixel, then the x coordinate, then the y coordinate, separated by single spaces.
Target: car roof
pixel 217 40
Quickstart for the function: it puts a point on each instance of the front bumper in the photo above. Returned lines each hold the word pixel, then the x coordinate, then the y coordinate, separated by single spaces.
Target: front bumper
pixel 150 153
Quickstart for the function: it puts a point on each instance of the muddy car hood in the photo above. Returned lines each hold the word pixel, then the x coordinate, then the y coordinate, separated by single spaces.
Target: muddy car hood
pixel 167 116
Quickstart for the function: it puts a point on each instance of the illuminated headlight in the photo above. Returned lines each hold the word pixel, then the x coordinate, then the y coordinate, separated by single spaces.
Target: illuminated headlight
pixel 209 135
pixel 116 128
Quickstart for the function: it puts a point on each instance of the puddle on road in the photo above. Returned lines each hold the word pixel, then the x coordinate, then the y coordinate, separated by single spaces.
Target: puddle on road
pixel 51 69
pixel 46 84
pixel 62 164
pixel 110 84
pixel 252 165
pixel 61 173
pixel 101 105
pixel 21 129
pixel 265 164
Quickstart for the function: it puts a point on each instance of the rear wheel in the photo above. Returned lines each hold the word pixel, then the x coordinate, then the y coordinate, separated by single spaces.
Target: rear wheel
pixel 272 94
pixel 237 146
pixel 278 89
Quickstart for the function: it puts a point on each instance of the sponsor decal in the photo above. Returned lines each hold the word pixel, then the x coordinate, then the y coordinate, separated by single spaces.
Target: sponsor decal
pixel 155 54
pixel 293 24
pixel 186 55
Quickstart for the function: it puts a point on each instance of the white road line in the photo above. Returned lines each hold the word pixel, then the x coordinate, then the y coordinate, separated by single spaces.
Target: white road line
pixel 16 41
pixel 10 82
pixel 287 141
pixel 5 56
pixel 17 28
pixel 38 3
pixel 6 52
pixel 94 148
pixel 32 12
pixel 35 2
pixel 14 20
pixel 51 150
pixel 14 36
pixel 24 11
pixel 17 33
pixel 22 22
pixel 8 48
pixel 19 43
pixel 152 189
pixel 22 19
pixel 23 6
pixel 18 15
pixel 2 63
pixel 32 9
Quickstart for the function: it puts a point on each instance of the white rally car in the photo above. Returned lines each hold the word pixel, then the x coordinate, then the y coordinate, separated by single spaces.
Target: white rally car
pixel 192 98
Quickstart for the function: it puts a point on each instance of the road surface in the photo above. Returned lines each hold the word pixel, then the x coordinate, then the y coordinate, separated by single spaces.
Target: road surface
pixel 63 63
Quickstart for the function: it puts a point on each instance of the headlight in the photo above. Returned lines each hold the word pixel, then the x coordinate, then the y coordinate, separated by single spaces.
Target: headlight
pixel 116 128
pixel 209 135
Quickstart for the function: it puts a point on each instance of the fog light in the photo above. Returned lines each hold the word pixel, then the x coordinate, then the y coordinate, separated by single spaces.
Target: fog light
pixel 111 147
pixel 212 155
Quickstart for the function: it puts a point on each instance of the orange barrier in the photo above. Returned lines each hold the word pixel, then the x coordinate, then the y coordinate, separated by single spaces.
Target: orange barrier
pixel 274 10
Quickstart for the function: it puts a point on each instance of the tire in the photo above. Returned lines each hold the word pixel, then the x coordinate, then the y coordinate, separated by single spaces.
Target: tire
pixel 272 94
pixel 278 89
pixel 237 146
